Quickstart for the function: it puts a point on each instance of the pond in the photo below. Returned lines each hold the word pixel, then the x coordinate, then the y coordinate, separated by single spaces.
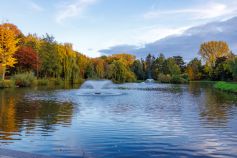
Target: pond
pixel 127 120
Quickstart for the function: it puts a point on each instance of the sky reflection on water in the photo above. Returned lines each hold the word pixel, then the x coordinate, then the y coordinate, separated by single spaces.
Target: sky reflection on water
pixel 148 120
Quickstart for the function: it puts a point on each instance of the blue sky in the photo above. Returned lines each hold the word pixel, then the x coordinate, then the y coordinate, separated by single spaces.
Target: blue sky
pixel 92 25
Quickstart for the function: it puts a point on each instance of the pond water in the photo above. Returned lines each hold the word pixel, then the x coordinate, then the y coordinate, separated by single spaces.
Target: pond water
pixel 128 120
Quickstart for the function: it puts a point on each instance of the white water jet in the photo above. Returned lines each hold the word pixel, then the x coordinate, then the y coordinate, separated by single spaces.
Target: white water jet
pixel 98 88
pixel 149 80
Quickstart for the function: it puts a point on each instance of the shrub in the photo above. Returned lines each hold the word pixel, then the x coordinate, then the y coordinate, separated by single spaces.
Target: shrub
pixel 130 77
pixel 25 80
pixel 56 81
pixel 185 77
pixel 6 83
pixel 78 81
pixel 42 82
pixel 177 79
pixel 164 78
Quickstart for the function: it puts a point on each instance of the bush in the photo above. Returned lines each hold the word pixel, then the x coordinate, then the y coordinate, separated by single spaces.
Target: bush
pixel 56 82
pixel 164 78
pixel 185 77
pixel 42 82
pixel 25 80
pixel 177 79
pixel 6 83
pixel 78 81
pixel 130 77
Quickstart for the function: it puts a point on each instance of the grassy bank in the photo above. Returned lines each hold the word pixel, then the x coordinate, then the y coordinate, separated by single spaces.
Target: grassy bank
pixel 226 86
pixel 29 80
pixel 203 81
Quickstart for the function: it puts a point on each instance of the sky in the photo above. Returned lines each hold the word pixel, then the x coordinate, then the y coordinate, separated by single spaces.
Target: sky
pixel 93 25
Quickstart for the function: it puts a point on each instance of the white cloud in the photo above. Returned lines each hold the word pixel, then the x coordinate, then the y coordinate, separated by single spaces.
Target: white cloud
pixel 73 9
pixel 209 11
pixel 138 38
pixel 151 34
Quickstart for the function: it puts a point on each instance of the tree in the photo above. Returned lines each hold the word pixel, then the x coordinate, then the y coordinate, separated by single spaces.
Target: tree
pixel 149 65
pixel 33 41
pixel 8 47
pixel 137 68
pixel 221 70
pixel 158 66
pixel 212 50
pixel 90 71
pixel 194 69
pixel 128 59
pixel 119 72
pixel 26 59
pixel 99 67
pixel 48 53
pixel 14 28
pixel 232 65
pixel 180 62
pixel 173 67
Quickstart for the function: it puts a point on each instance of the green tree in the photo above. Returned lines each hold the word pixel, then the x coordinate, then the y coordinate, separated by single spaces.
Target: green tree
pixel 232 65
pixel 158 66
pixel 221 71
pixel 180 62
pixel 137 68
pixel 149 65
pixel 119 72
pixel 194 69
pixel 173 67
pixel 50 60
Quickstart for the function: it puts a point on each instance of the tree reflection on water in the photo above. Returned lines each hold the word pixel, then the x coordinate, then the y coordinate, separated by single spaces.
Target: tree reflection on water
pixel 17 113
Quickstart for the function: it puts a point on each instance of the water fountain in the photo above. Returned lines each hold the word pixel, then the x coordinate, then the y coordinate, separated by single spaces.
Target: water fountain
pixel 98 88
pixel 149 80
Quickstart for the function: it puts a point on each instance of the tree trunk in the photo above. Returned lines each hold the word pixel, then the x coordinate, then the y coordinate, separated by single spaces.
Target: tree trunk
pixel 3 73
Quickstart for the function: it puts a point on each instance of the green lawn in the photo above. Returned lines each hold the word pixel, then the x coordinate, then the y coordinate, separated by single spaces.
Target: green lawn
pixel 226 86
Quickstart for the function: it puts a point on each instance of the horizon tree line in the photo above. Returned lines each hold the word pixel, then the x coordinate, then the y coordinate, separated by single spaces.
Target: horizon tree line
pixel 47 58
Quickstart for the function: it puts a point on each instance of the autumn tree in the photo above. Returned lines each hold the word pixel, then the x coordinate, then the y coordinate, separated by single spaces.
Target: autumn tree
pixel 33 41
pixel 27 59
pixel 82 62
pixel 194 69
pixel 99 64
pixel 128 59
pixel 14 28
pixel 8 47
pixel 119 72
pixel 212 50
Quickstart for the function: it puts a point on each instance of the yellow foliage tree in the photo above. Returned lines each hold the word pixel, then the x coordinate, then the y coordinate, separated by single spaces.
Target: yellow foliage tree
pixel 212 50
pixel 8 47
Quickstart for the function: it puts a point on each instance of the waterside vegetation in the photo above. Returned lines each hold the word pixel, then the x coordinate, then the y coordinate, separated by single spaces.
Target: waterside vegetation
pixel 29 60
pixel 226 86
